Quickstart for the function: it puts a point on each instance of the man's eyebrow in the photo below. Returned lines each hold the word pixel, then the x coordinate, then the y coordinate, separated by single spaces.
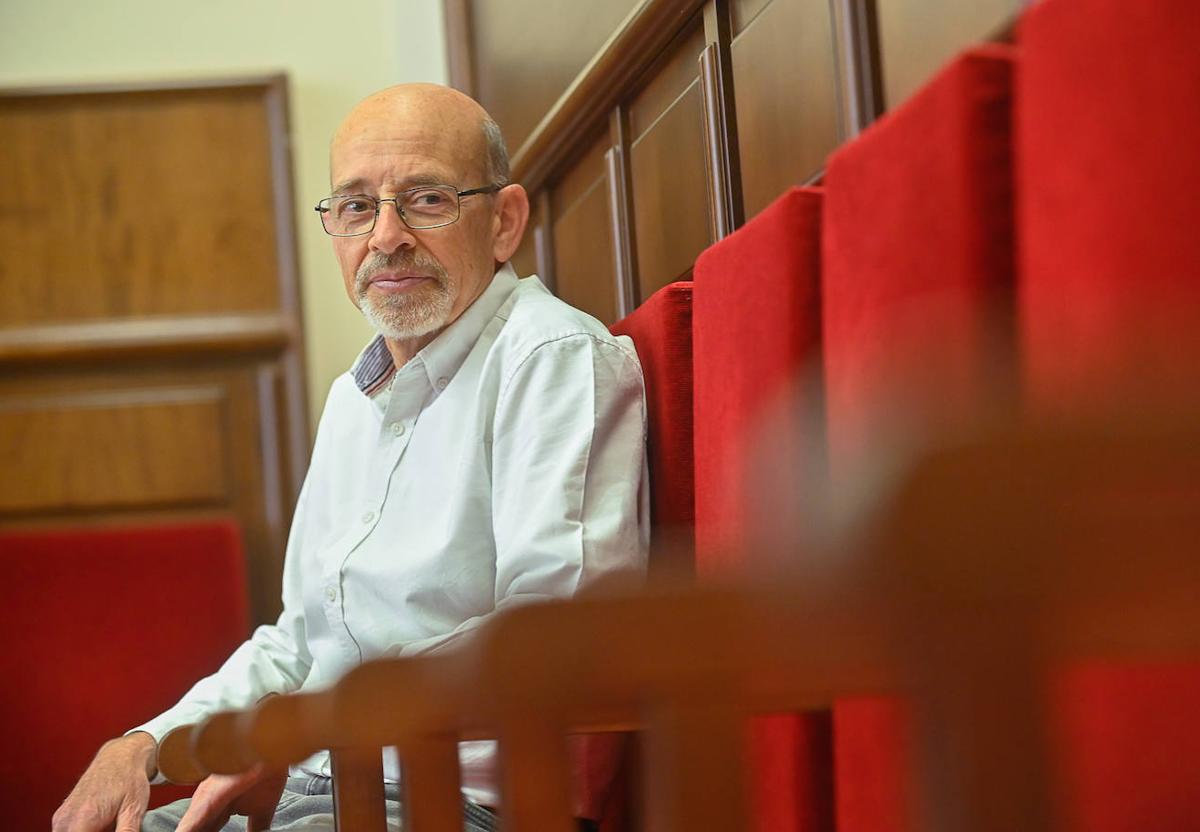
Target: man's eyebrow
pixel 349 186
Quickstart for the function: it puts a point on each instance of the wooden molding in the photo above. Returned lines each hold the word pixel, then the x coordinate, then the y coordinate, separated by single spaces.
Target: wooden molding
pixel 856 32
pixel 267 79
pixel 599 87
pixel 460 54
pixel 620 207
pixel 543 241
pixel 145 337
pixel 725 209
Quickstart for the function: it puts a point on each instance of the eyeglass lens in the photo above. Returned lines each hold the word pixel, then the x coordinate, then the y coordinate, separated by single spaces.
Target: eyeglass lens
pixel 419 208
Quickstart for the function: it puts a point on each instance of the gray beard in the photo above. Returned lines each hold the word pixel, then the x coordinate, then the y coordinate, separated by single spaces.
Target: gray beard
pixel 415 313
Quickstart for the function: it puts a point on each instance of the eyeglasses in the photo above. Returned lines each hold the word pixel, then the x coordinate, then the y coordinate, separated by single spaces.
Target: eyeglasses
pixel 430 206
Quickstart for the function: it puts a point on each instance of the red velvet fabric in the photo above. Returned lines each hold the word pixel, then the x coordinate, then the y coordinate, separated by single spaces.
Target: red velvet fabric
pixel 108 627
pixel 661 329
pixel 1109 178
pixel 918 275
pixel 756 330
pixel 1109 320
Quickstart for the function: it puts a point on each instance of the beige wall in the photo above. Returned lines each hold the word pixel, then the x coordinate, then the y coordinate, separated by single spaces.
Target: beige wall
pixel 334 52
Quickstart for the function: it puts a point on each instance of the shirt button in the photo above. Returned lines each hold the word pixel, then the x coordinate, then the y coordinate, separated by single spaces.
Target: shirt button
pixel 442 382
pixel 331 593
pixel 368 517
pixel 398 428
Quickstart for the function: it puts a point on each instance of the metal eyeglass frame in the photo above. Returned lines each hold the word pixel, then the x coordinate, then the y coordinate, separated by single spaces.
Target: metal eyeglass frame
pixel 322 207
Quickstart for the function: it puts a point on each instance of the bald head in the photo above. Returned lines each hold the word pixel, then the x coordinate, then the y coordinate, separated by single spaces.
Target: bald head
pixel 457 121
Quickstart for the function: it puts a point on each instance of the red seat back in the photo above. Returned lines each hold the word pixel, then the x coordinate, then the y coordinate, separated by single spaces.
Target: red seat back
pixel 918 276
pixel 756 332
pixel 107 628
pixel 1108 181
pixel 661 329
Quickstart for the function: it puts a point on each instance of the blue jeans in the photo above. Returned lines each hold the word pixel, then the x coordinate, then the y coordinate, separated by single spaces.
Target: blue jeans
pixel 306 805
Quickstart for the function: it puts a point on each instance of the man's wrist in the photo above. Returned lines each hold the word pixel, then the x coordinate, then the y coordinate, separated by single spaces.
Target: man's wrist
pixel 142 747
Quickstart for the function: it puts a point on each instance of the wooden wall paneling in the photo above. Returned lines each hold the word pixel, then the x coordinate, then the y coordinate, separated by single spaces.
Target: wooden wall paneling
pixel 584 271
pixel 151 363
pixel 743 12
pixel 788 111
pixel 918 36
pixel 517 45
pixel 724 178
pixel 620 207
pixel 124 339
pixel 667 160
pixel 87 451
pixel 460 56
pixel 599 87
pixel 115 177
pixel 856 32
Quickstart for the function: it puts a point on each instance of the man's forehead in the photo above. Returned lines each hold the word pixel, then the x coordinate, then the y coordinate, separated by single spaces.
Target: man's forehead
pixel 405 150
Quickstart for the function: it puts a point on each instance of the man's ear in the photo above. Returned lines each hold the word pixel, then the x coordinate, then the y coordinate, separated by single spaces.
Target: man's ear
pixel 508 221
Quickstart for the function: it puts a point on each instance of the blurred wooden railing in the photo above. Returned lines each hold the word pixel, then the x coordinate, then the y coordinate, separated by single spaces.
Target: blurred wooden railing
pixel 989 565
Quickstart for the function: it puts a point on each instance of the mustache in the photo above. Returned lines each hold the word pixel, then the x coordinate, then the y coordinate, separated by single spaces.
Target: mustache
pixel 378 261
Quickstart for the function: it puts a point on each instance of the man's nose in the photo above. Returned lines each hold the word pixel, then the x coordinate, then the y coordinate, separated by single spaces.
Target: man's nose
pixel 390 232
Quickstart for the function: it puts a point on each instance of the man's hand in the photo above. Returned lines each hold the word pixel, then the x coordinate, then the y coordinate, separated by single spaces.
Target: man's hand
pixel 115 787
pixel 254 793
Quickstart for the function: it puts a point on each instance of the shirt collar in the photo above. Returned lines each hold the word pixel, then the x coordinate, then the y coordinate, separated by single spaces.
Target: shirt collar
pixel 442 356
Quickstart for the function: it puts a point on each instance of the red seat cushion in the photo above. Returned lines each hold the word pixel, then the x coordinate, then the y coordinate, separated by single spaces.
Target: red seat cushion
pixel 661 329
pixel 1108 181
pixel 918 278
pixel 108 628
pixel 1109 184
pixel 756 329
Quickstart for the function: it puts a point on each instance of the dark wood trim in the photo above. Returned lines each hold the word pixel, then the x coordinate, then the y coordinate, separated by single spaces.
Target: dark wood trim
pixel 543 241
pixel 141 338
pixel 620 205
pixel 599 87
pixel 168 85
pixel 856 31
pixel 722 164
pixel 278 492
pixel 295 388
pixel 460 54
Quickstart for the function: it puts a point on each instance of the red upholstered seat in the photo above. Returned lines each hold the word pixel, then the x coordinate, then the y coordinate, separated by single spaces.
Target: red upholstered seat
pixel 1108 181
pixel 105 629
pixel 756 330
pixel 918 275
pixel 661 329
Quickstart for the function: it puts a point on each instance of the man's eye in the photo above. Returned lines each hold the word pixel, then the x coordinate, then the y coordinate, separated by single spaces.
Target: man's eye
pixel 356 206
pixel 428 199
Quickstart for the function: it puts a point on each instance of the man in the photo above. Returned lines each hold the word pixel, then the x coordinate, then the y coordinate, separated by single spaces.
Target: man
pixel 486 449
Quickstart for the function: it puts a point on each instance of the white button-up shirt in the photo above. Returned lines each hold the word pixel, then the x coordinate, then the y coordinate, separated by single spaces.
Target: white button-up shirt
pixel 503 464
